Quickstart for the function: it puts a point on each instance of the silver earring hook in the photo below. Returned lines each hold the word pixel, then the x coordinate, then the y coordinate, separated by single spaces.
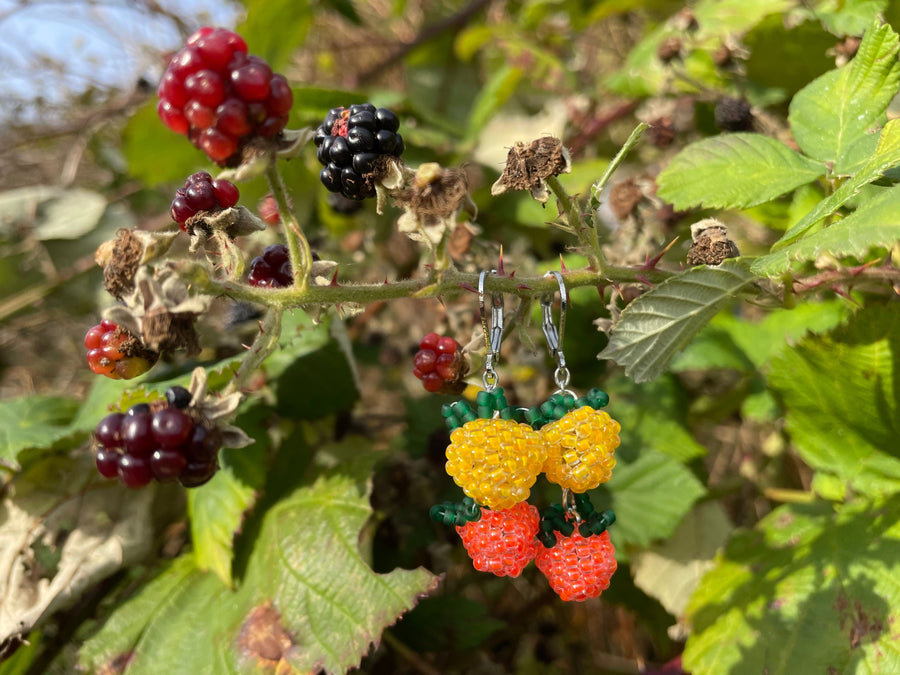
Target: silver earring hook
pixel 554 336
pixel 492 337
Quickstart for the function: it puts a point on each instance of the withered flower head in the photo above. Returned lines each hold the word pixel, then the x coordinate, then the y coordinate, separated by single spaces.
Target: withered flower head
pixel 217 409
pixel 121 257
pixel 529 165
pixel 433 202
pixel 711 244
pixel 161 310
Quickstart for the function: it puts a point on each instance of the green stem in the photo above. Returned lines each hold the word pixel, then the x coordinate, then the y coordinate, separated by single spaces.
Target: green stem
pixel 298 245
pixel 449 282
pixel 265 343
pixel 586 232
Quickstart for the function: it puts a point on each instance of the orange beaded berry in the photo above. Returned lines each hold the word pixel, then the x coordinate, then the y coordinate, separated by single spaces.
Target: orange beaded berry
pixel 502 542
pixel 580 449
pixel 578 568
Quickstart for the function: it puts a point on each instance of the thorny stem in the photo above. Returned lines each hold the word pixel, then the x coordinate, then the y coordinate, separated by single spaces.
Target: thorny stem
pixel 449 282
pixel 586 232
pixel 265 343
pixel 298 244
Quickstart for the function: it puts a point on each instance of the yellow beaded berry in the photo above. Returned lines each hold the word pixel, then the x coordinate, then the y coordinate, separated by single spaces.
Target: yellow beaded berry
pixel 580 449
pixel 495 461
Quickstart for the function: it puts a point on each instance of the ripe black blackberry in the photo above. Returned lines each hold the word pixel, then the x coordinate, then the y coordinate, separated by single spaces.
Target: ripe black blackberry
pixel 164 441
pixel 351 144
pixel 734 114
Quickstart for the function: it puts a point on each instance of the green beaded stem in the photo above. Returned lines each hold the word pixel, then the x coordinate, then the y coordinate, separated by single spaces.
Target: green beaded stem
pixel 487 404
pixel 561 403
pixel 555 518
pixel 455 513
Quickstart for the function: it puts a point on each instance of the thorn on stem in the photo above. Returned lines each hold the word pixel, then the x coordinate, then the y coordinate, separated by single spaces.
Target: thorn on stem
pixel 467 287
pixel 500 271
pixel 644 280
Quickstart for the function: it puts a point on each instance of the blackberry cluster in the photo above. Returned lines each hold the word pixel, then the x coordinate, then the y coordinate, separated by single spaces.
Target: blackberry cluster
pixel 440 365
pixel 201 193
pixel 350 143
pixel 161 440
pixel 116 353
pixel 272 269
pixel 220 97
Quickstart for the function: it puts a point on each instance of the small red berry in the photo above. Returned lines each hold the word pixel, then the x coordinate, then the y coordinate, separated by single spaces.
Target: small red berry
pixel 440 364
pixel 116 353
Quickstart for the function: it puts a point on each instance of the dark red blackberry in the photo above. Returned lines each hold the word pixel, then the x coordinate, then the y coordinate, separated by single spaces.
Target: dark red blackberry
pixel 200 193
pixel 440 364
pixel 220 97
pixel 272 269
pixel 350 143
pixel 164 441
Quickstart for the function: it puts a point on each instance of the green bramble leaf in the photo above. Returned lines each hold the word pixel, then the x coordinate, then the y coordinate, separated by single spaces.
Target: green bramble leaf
pixel 734 171
pixel 823 580
pixel 217 509
pixel 874 224
pixel 837 110
pixel 33 422
pixel 663 320
pixel 307 590
pixel 886 156
pixel 730 341
pixel 847 424
pixel 843 17
pixel 671 570
pixel 649 496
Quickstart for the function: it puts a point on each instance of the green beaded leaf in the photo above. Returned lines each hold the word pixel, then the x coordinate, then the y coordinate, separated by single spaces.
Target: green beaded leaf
pixel 307 589
pixel 809 590
pixel 847 425
pixel 734 171
pixel 663 320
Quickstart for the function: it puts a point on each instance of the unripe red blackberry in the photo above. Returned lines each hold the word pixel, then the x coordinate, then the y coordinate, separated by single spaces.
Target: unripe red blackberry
pixel 200 193
pixel 116 353
pixel 163 441
pixel 351 143
pixel 440 364
pixel 220 97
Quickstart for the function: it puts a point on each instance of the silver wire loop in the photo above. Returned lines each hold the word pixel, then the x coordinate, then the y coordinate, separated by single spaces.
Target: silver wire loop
pixel 492 337
pixel 555 337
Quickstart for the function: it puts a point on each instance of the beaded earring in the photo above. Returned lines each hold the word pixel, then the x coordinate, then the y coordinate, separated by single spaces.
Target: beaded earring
pixel 496 453
pixel 575 553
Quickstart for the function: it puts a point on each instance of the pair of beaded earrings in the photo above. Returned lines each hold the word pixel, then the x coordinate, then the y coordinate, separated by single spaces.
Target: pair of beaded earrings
pixel 497 452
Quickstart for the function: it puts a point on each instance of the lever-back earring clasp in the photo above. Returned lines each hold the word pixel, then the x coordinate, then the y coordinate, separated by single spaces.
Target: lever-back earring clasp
pixel 555 337
pixel 492 337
